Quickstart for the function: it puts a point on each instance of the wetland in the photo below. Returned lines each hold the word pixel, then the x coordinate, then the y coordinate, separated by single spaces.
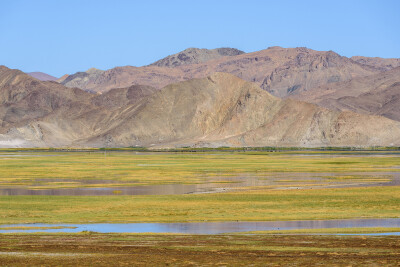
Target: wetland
pixel 145 173
pixel 130 186
pixel 122 206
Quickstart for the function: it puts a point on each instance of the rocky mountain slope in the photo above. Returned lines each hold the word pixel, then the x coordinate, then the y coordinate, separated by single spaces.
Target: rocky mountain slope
pixel 42 76
pixel 280 71
pixel 99 81
pixel 383 64
pixel 219 110
pixel 62 78
pixel 195 56
pixel 223 110
pixel 25 103
pixel 34 113
pixel 377 94
pixel 121 97
pixel 82 79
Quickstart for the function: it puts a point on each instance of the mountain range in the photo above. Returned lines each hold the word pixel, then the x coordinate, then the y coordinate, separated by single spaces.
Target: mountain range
pixel 209 98
pixel 280 71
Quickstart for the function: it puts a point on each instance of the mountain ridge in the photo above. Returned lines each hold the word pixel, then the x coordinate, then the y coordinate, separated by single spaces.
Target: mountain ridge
pixel 281 71
pixel 195 55
pixel 219 110
pixel 42 76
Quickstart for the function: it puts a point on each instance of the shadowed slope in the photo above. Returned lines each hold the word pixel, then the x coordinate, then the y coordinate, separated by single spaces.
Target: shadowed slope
pixel 50 114
pixel 26 104
pixel 24 98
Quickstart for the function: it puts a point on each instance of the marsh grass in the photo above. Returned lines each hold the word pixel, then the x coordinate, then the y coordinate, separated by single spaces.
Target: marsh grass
pixel 47 170
pixel 255 205
pixel 352 230
pixel 36 227
pixel 38 170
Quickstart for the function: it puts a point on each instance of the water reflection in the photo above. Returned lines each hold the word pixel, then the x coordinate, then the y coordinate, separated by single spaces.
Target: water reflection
pixel 206 227
pixel 172 189
pixel 282 180
pixel 276 180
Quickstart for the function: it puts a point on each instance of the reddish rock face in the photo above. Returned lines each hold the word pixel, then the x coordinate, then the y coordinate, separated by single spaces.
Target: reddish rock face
pixel 280 71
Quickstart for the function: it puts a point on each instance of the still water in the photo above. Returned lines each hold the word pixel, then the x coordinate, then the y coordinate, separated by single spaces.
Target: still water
pixel 274 181
pixel 30 184
pixel 206 227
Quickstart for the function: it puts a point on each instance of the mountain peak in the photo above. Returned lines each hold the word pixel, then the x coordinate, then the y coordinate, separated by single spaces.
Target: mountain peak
pixel 194 55
pixel 93 70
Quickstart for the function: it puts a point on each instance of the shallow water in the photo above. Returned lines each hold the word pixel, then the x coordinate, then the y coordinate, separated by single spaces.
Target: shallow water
pixel 216 184
pixel 279 180
pixel 273 180
pixel 207 227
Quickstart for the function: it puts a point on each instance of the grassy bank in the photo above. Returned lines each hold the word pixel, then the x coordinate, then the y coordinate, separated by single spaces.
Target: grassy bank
pixel 352 231
pixel 261 205
pixel 41 170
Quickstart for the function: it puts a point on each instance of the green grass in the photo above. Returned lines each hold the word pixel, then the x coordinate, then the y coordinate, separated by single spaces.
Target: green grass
pixel 261 205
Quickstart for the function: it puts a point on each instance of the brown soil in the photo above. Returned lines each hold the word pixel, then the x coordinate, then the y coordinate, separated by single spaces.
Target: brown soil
pixel 195 250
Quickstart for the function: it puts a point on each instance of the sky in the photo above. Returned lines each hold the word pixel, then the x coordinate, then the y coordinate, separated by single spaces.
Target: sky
pixel 65 36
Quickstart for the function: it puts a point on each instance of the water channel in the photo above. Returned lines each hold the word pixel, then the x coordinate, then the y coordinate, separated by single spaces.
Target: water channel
pixel 201 227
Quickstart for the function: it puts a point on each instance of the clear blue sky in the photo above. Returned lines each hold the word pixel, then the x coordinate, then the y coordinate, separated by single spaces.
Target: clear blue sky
pixel 61 36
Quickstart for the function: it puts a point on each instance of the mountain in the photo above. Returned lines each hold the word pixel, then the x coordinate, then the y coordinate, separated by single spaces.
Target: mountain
pixel 60 80
pixel 25 105
pixel 195 56
pixel 219 110
pixel 377 94
pixel 121 77
pixel 223 110
pixel 383 64
pixel 43 114
pixel 81 79
pixel 42 76
pixel 280 71
pixel 121 97
pixel 24 98
pixel 99 81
